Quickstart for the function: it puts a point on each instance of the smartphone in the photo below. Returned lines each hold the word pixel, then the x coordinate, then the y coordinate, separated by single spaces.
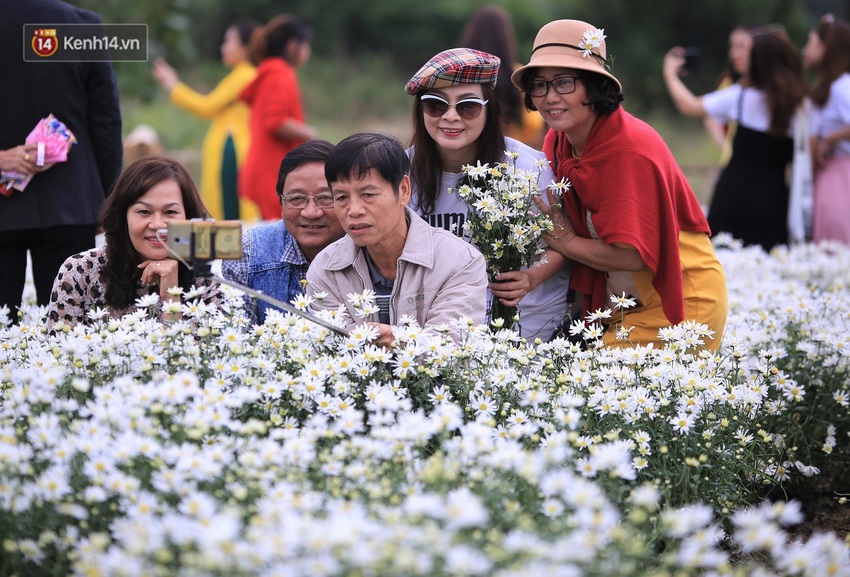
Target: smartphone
pixel 205 239
pixel 691 55
pixel 179 239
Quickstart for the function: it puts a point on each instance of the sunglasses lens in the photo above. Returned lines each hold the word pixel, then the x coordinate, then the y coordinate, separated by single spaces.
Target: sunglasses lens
pixel 468 110
pixel 435 108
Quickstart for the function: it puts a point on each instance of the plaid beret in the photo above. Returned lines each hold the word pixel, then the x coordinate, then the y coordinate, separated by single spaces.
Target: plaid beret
pixel 455 66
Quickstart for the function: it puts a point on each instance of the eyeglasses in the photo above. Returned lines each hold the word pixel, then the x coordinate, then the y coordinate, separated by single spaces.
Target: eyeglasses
pixel 302 200
pixel 468 108
pixel 563 85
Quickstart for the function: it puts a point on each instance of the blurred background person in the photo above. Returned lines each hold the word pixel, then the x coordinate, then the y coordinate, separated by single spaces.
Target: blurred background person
pixel 750 199
pixel 149 194
pixel 491 30
pixel 57 214
pixel 456 123
pixel 277 114
pixel 827 52
pixel 226 142
pixel 740 43
pixel 142 141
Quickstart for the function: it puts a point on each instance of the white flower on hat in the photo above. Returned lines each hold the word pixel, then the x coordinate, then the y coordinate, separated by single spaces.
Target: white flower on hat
pixel 592 38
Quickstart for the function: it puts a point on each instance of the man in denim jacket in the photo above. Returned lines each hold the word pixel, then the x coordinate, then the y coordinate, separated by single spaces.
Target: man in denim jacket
pixel 415 269
pixel 276 256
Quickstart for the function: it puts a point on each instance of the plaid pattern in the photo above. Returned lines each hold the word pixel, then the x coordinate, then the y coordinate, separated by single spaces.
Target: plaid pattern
pixel 455 66
pixel 237 270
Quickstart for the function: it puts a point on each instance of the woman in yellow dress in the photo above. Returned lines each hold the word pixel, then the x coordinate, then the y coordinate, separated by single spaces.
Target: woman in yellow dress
pixel 227 140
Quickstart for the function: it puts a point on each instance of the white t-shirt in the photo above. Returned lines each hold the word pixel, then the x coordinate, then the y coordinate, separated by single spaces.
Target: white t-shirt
pixel 542 310
pixel 835 113
pixel 723 106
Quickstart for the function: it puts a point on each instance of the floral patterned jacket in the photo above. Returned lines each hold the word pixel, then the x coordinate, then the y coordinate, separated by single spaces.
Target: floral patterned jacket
pixel 78 289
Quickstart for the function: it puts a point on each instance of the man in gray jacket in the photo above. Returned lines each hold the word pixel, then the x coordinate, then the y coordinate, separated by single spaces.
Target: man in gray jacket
pixel 415 269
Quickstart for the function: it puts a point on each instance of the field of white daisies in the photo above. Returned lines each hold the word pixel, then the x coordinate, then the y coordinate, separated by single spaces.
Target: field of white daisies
pixel 212 447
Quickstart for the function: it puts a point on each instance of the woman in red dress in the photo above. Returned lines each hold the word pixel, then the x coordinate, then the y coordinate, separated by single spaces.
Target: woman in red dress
pixel 277 115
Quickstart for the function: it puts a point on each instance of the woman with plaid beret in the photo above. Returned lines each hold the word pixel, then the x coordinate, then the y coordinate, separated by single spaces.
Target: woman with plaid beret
pixel 456 122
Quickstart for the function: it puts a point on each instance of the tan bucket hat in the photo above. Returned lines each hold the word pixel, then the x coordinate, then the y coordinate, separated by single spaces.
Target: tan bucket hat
pixel 568 44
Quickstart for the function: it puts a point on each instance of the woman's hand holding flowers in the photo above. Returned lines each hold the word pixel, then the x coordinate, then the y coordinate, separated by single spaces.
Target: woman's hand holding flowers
pixel 563 232
pixel 511 286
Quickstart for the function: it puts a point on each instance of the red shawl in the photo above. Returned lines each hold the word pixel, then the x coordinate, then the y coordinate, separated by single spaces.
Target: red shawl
pixel 635 193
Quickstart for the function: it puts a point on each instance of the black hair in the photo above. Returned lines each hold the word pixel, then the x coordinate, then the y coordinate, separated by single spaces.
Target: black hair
pixel 603 94
pixel 777 69
pixel 491 30
pixel 835 36
pixel 310 151
pixel 244 28
pixel 272 40
pixel 359 153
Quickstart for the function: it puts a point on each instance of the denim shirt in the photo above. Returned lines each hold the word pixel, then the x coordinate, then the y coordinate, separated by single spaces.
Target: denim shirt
pixel 272 263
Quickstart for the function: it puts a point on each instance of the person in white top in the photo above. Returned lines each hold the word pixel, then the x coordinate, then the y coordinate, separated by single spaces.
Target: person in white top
pixel 750 199
pixel 456 123
pixel 828 53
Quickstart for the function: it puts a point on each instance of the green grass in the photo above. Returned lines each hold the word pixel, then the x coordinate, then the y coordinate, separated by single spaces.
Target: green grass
pixel 342 96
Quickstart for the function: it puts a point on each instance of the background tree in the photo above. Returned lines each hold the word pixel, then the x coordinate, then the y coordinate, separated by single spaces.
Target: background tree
pixel 402 32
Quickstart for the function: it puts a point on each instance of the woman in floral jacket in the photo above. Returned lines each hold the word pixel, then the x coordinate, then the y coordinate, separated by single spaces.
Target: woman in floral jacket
pixel 134 264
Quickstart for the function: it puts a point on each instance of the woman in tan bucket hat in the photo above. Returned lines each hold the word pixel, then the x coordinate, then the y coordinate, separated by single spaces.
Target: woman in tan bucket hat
pixel 629 221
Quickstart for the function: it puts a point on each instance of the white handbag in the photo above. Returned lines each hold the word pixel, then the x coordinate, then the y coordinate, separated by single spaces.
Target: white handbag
pixel 801 197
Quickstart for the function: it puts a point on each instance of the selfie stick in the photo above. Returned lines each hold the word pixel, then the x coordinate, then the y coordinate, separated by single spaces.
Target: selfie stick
pixel 273 301
pixel 201 267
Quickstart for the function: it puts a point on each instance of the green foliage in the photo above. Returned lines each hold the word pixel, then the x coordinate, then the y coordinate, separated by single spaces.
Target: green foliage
pixel 365 50
pixel 171 32
pixel 639 38
pixel 344 95
pixel 407 33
